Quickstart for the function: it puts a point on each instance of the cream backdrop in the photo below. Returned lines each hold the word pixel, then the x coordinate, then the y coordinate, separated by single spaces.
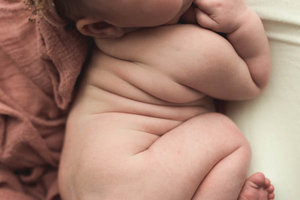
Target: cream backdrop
pixel 272 122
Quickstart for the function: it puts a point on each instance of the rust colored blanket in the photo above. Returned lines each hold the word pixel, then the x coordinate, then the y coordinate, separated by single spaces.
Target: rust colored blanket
pixel 39 65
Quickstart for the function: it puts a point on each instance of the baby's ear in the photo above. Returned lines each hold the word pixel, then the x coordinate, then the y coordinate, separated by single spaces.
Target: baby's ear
pixel 98 29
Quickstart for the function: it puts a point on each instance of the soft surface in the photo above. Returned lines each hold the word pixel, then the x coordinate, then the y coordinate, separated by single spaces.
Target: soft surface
pixel 39 65
pixel 272 121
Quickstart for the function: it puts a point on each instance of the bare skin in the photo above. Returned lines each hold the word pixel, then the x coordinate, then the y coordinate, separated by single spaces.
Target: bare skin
pixel 143 125
pixel 257 187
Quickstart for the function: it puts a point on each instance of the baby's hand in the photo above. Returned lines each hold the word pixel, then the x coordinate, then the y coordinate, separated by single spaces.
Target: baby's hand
pixel 223 16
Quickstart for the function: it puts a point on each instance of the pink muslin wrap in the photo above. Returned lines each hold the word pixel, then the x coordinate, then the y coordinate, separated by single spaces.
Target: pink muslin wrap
pixel 39 65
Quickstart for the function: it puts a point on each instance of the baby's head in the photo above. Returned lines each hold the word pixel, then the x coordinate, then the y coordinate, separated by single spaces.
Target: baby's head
pixel 113 18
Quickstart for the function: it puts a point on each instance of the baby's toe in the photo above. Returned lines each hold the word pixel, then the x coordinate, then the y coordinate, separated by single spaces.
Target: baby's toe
pixel 271 196
pixel 267 183
pixel 270 189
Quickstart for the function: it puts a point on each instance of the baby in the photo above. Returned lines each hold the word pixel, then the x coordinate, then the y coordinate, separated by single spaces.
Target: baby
pixel 144 126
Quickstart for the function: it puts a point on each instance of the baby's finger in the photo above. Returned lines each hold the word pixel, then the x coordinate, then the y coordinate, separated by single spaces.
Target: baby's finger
pixel 205 5
pixel 204 20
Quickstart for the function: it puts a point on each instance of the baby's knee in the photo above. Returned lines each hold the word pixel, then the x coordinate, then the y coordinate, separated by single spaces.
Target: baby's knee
pixel 227 132
pixel 233 134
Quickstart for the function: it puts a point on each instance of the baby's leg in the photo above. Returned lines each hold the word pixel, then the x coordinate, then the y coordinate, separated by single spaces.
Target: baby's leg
pixel 207 152
pixel 205 158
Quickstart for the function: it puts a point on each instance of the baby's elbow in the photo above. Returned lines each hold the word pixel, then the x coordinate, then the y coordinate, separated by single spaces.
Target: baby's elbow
pixel 260 72
pixel 256 89
pixel 255 92
pixel 261 76
pixel 253 84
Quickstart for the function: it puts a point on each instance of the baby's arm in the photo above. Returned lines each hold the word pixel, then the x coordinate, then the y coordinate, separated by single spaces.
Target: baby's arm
pixel 190 55
pixel 233 69
pixel 243 30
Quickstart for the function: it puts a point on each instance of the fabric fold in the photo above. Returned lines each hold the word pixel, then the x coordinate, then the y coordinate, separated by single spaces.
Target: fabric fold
pixel 39 66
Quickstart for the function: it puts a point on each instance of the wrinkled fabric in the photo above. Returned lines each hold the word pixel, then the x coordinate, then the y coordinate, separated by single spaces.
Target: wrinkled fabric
pixel 39 65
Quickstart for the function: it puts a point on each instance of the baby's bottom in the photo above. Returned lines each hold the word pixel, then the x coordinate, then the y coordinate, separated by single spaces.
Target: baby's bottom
pixel 205 157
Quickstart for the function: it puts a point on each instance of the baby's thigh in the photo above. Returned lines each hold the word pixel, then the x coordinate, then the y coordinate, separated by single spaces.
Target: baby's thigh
pixel 182 158
pixel 131 164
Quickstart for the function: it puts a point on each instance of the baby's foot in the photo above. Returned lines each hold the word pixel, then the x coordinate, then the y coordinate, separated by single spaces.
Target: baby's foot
pixel 257 187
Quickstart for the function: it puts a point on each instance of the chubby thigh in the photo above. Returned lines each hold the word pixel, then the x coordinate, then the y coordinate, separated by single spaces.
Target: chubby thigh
pixel 126 156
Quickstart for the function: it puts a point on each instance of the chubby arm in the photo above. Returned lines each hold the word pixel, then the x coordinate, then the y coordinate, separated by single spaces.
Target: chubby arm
pixel 243 29
pixel 190 55
pixel 250 42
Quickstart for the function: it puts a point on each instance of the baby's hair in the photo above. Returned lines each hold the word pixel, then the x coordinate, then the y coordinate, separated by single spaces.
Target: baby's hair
pixel 75 9
pixel 71 9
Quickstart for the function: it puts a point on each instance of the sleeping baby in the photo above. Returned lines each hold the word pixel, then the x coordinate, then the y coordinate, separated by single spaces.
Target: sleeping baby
pixel 144 124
